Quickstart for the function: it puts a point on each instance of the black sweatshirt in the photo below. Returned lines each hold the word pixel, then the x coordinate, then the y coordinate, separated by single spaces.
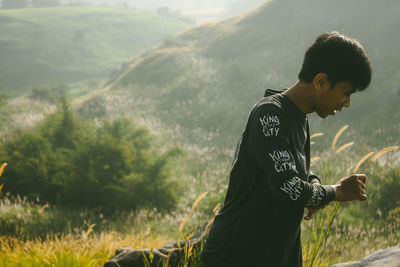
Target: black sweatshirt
pixel 270 184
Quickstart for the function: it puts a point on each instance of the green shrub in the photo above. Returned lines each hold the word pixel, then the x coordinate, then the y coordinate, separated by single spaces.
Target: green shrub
pixel 66 160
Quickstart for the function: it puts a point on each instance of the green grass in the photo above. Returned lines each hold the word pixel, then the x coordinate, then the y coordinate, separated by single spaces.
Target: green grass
pixel 356 231
pixel 63 44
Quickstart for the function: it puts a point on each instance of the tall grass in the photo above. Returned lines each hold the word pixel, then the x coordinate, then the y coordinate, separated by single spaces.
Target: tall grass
pixel 318 234
pixel 335 234
pixel 3 166
pixel 71 250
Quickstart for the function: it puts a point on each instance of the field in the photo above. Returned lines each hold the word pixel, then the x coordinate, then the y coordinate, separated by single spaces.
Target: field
pixel 37 235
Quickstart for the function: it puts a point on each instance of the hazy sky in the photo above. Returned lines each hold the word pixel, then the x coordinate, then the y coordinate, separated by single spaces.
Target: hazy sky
pixel 201 11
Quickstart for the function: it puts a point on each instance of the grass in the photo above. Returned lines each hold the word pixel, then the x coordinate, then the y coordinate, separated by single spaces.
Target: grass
pixel 332 236
pixel 89 249
pixel 348 237
pixel 326 242
pixel 317 238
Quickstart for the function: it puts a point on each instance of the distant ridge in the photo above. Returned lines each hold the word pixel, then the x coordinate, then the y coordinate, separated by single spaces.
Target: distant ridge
pixel 68 44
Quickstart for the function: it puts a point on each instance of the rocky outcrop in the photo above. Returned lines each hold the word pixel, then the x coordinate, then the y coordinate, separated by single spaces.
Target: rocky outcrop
pixel 174 253
pixel 389 257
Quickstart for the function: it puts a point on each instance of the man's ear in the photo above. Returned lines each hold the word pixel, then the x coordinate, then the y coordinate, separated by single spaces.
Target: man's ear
pixel 321 82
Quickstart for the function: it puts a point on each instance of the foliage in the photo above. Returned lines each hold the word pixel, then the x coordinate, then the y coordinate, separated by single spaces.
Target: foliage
pixel 66 160
pixel 3 108
pixel 324 232
pixel 45 93
pixel 3 100
pixel 385 193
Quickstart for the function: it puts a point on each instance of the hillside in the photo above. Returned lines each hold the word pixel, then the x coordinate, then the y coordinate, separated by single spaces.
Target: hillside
pixel 67 44
pixel 205 80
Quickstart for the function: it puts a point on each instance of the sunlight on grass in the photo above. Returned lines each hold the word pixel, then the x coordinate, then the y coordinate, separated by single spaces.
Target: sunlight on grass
pixel 70 250
pixel 362 160
pixel 192 210
pixel 383 151
pixel 338 135
pixel 344 147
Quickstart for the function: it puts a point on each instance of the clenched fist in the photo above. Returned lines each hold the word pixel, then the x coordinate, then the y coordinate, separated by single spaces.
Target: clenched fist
pixel 351 188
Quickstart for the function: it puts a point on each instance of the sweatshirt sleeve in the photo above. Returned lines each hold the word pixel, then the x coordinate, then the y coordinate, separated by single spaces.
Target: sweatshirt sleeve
pixel 270 147
pixel 312 178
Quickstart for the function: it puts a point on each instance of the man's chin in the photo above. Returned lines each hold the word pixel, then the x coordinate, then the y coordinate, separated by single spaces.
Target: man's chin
pixel 323 115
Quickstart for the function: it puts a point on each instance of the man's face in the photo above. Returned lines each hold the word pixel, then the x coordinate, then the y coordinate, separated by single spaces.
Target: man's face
pixel 334 99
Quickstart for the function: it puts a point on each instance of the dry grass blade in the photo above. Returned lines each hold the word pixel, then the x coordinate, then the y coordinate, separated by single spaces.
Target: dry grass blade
pixel 90 229
pixel 198 200
pixel 191 211
pixel 314 159
pixel 44 207
pixel 1 186
pixel 2 167
pixel 361 161
pixel 216 208
pixel 316 135
pixel 338 135
pixel 383 151
pixel 344 147
pixel 184 221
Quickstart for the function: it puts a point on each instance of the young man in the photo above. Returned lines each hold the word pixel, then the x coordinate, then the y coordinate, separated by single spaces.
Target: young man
pixel 270 181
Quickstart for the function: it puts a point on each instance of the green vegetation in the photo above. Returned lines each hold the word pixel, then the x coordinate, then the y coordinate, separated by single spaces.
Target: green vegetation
pixel 70 162
pixel 196 89
pixel 66 44
pixel 349 237
pixel 208 77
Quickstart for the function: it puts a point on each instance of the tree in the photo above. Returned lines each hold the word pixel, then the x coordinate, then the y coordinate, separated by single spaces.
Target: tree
pixel 65 126
pixel 72 162
pixel 45 93
pixel 10 4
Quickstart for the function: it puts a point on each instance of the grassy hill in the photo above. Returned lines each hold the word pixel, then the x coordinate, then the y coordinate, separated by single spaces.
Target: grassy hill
pixel 205 80
pixel 67 44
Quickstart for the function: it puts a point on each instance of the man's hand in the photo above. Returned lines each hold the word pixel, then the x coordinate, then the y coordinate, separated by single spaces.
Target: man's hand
pixel 351 188
pixel 311 211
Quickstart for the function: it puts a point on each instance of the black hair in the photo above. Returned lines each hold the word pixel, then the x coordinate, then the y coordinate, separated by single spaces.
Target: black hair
pixel 340 57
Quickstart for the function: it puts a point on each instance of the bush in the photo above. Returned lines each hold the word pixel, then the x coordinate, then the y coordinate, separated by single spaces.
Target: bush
pixel 44 93
pixel 68 161
pixel 388 197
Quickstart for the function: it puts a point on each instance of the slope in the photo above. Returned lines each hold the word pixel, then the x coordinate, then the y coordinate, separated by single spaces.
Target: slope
pixel 206 79
pixel 65 44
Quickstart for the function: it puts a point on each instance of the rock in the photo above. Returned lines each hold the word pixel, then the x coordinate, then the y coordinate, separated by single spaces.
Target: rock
pixel 389 257
pixel 172 252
